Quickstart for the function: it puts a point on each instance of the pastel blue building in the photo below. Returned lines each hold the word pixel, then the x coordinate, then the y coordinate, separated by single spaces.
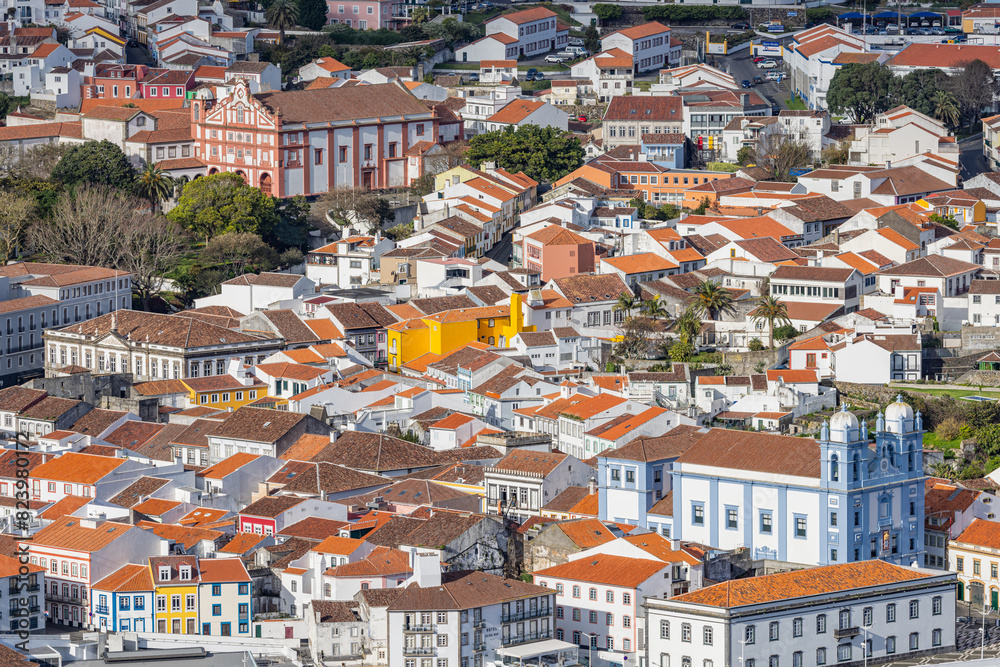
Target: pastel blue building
pixel 123 600
pixel 841 498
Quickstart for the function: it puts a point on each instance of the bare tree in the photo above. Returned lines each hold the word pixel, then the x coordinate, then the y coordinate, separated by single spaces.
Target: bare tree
pixel 87 226
pixel 779 155
pixel 40 160
pixel 151 246
pixel 15 213
pixel 356 207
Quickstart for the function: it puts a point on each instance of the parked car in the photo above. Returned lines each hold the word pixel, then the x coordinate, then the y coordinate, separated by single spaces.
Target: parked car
pixel 757 80
pixel 746 83
pixel 740 26
pixel 582 118
pixel 769 64
pixel 775 76
pixel 474 77
pixel 530 74
pixel 892 26
pixel 937 31
pixel 924 31
pixel 757 59
pixel 555 58
pixel 925 23
pixel 575 41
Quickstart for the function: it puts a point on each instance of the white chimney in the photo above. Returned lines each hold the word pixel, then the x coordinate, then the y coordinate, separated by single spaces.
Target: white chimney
pixel 426 569
pixel 592 486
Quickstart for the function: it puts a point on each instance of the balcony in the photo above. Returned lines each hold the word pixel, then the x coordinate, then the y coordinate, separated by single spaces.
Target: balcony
pixel 479 646
pixel 528 637
pixel 840 633
pixel 478 623
pixel 418 627
pixel 524 615
pixel 72 599
pixel 101 609
pixel 418 650
pixel 18 590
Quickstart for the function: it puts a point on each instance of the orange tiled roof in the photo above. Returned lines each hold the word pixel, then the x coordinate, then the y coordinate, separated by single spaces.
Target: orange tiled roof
pixel 770 588
pixel 605 569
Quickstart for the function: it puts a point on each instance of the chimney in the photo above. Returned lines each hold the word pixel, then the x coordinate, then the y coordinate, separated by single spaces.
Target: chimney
pixel 836 236
pixel 898 290
pixel 760 211
pixel 426 569
pixel 447 209
pixel 745 99
pixel 591 486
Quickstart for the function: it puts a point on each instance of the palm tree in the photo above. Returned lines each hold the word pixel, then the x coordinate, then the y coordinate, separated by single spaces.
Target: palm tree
pixel 712 299
pixel 770 310
pixel 945 107
pixel 154 184
pixel 654 308
pixel 282 15
pixel 627 303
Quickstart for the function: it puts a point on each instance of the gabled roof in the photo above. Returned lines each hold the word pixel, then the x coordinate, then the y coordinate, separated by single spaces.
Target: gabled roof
pixel 605 569
pixel 771 588
pixel 758 452
pixel 76 467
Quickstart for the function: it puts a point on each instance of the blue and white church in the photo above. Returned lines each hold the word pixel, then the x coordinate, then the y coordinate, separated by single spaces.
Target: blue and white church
pixel 841 498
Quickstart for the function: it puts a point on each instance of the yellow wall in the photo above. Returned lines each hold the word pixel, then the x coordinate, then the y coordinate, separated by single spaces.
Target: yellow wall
pixel 183 614
pixel 194 397
pixel 444 177
pixel 444 337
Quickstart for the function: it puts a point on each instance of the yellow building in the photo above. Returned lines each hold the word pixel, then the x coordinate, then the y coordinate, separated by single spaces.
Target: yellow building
pixel 449 330
pixel 175 582
pixel 223 391
pixel 965 208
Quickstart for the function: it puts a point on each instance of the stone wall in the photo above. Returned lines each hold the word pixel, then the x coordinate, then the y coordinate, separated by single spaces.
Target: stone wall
pixel 744 363
pixel 870 394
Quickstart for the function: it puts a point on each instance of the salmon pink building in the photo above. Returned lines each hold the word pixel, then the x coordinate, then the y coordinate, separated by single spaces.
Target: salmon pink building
pixel 307 142
pixel 558 252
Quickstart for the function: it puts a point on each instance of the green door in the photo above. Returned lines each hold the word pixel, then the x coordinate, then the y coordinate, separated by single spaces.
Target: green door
pixel 994 599
pixel 961 591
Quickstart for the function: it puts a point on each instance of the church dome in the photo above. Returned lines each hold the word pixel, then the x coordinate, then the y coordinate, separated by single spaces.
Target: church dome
pixel 844 426
pixel 899 412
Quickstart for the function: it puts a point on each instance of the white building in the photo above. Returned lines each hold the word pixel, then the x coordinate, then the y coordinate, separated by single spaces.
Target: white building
pixel 524 481
pixel 348 262
pixel 649 45
pixel 471 618
pixel 901 133
pixel 528 112
pixel 252 291
pixel 527 33
pixel 877 358
pixel 820 616
pixel 605 75
pixel 812 58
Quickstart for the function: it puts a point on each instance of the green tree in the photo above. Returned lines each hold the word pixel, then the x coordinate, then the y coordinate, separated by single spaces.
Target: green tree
pixel 988 440
pixel 861 91
pixel 689 322
pixel 654 308
pixel 683 349
pixel 6 104
pixel 312 13
pixel 543 153
pixel 607 12
pixel 627 303
pixel 154 185
pixel 769 309
pixel 946 108
pixel 744 156
pixel 591 39
pixel 918 88
pixel 755 346
pixel 282 15
pixel 838 153
pixel 702 207
pixel 712 299
pixel 786 332
pixel 96 163
pixel 946 220
pixel 223 203
pixel 635 340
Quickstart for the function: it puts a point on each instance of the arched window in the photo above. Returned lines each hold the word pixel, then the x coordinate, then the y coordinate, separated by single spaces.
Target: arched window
pixel 913 459
pixel 856 468
pixel 834 469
